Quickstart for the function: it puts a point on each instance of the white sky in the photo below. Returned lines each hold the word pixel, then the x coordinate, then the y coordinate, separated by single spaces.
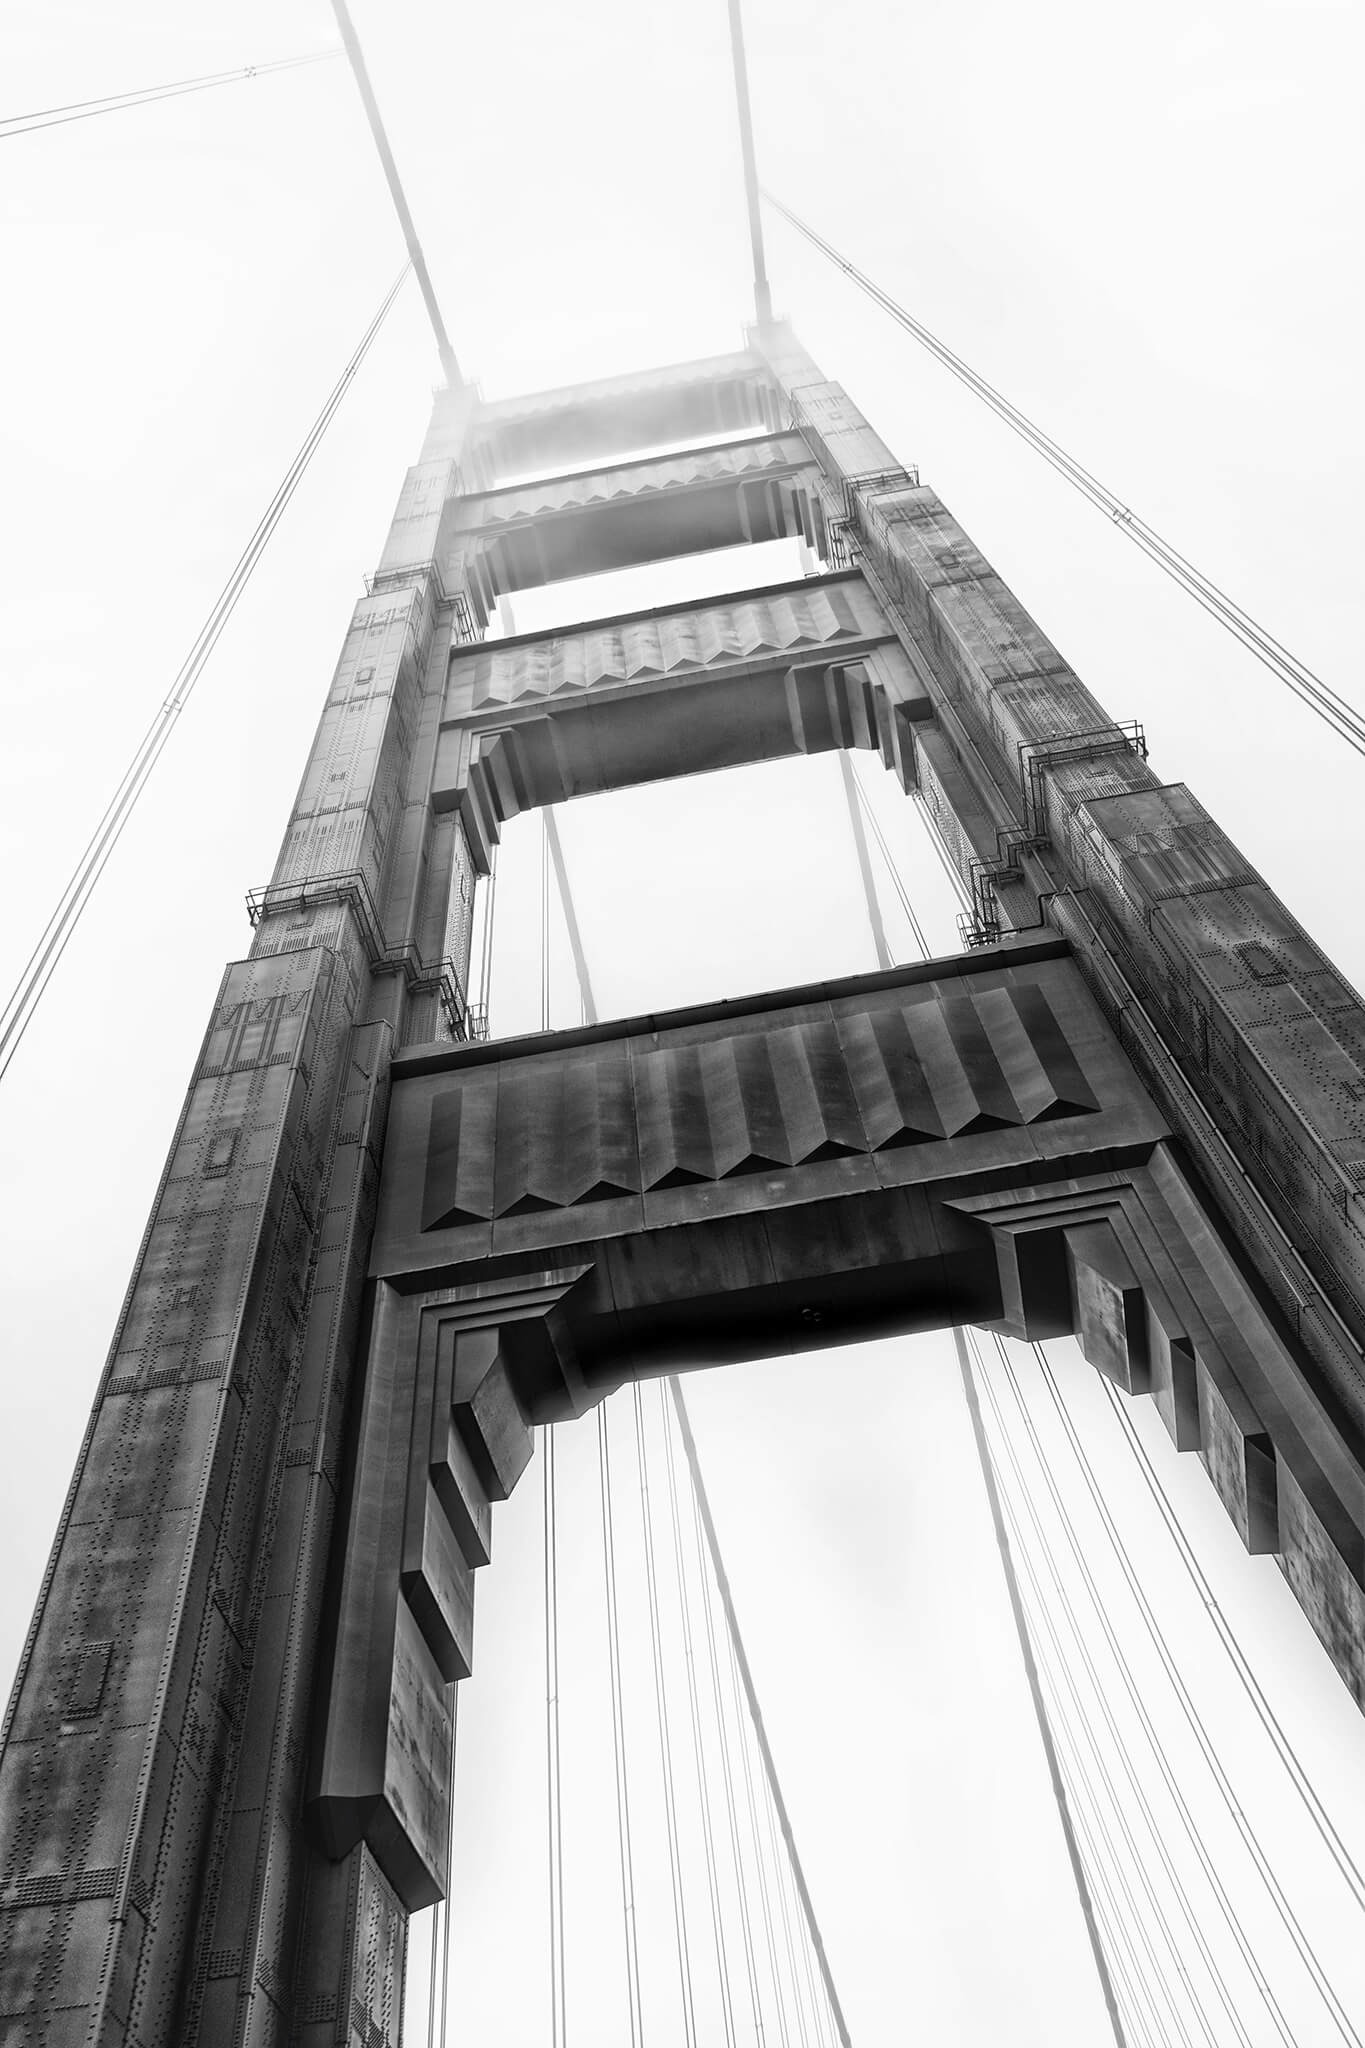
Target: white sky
pixel 1145 228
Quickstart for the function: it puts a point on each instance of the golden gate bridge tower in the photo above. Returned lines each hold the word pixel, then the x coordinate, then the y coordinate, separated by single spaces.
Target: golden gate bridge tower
pixel 386 1248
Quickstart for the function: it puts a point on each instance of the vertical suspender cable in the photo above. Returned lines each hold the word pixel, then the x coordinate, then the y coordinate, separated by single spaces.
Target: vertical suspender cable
pixel 553 1792
pixel 435 1972
pixel 1141 2018
pixel 450 1856
pixel 764 1900
pixel 544 922
pixel 553 1787
pixel 556 852
pixel 789 1941
pixel 665 1733
pixel 698 1747
pixel 902 893
pixel 1023 1518
pixel 618 1734
pixel 755 1713
pixel 1345 1862
pixel 1035 1690
pixel 490 901
pixel 855 819
pixel 1143 1715
pixel 1307 1953
pixel 728 1780
pixel 819 2006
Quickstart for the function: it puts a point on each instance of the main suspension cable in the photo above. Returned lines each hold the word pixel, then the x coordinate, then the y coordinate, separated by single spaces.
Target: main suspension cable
pixel 144 96
pixel 819 2004
pixel 763 300
pixel 416 256
pixel 43 961
pixel 1340 716
pixel 1284 1748
pixel 1290 1920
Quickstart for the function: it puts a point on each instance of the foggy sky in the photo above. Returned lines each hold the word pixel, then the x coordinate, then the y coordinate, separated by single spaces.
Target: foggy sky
pixel 1145 229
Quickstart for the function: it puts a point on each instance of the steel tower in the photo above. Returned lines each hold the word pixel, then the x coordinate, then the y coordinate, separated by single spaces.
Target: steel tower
pixel 1132 1108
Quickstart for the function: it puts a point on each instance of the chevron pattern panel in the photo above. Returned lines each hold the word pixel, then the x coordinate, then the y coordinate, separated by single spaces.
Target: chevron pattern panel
pixel 627 1116
pixel 780 623
pixel 632 480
